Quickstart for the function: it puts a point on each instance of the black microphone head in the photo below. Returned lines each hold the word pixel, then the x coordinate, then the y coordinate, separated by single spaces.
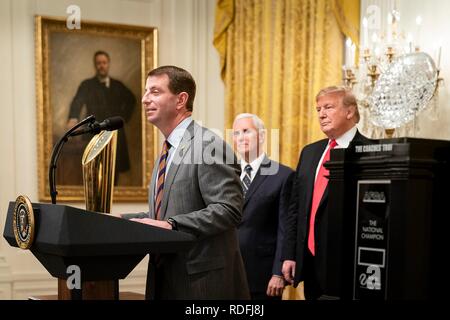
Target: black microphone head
pixel 113 123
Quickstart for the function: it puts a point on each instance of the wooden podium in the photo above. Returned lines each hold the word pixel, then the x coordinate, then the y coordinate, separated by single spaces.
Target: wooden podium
pixel 104 248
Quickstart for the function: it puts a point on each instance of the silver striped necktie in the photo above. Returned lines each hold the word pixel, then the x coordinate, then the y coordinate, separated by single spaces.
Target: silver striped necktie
pixel 246 180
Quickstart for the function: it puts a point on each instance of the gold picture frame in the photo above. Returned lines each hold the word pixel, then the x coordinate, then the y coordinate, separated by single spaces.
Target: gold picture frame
pixel 64 59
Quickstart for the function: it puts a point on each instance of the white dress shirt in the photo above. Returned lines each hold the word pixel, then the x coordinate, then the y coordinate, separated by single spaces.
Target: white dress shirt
pixel 342 143
pixel 106 81
pixel 174 139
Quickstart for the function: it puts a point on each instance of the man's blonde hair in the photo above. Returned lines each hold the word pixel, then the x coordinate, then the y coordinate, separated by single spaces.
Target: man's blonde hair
pixel 348 98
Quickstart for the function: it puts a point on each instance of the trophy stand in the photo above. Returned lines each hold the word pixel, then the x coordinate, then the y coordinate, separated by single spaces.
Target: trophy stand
pixel 98 162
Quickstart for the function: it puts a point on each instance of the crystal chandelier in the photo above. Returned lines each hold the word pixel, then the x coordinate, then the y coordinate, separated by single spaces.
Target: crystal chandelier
pixel 390 61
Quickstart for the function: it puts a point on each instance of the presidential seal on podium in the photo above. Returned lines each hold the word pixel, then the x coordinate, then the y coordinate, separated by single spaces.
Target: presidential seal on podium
pixel 23 222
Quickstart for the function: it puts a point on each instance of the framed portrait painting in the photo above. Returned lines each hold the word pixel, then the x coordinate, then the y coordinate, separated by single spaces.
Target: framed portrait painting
pixel 100 70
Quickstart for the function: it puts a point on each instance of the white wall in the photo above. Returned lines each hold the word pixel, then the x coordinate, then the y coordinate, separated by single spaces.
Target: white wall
pixel 185 39
pixel 434 30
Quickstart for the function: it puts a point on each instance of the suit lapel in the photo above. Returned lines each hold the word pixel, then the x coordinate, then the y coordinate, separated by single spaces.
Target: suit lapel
pixel 257 181
pixel 180 153
pixel 358 137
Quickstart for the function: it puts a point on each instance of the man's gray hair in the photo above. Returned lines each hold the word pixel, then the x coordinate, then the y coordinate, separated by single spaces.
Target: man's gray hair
pixel 259 124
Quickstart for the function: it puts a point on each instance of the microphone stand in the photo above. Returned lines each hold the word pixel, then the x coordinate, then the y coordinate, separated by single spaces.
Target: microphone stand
pixel 55 155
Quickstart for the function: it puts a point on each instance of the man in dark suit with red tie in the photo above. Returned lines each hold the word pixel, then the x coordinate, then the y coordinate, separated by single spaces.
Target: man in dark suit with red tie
pixel 266 185
pixel 305 246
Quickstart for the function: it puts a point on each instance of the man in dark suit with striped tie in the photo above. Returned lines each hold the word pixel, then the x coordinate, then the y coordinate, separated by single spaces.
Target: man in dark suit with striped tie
pixel 266 185
pixel 305 245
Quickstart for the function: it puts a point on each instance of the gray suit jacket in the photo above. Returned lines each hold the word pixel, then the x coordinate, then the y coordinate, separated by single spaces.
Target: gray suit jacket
pixel 203 194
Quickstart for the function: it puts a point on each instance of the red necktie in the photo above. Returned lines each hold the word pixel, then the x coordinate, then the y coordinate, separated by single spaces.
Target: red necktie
pixel 161 178
pixel 319 188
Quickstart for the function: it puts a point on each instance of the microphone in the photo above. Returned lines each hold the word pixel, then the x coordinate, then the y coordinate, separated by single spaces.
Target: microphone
pixel 109 124
pixel 57 150
pixel 93 127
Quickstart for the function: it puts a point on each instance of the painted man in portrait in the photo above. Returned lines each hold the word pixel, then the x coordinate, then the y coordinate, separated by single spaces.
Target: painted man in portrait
pixel 105 97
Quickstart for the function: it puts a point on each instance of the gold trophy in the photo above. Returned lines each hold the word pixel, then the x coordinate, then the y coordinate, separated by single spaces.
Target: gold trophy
pixel 99 160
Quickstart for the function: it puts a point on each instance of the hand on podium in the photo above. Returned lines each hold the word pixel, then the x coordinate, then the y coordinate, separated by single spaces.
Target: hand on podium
pixel 153 222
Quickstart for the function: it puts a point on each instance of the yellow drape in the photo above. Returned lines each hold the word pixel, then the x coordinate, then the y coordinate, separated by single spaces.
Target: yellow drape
pixel 275 56
pixel 347 14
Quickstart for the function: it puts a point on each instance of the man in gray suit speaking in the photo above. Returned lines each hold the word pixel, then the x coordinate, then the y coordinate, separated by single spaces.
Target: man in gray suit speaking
pixel 195 188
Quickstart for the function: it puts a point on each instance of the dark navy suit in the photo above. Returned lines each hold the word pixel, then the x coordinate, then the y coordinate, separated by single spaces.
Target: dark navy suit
pixel 262 227
pixel 308 269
